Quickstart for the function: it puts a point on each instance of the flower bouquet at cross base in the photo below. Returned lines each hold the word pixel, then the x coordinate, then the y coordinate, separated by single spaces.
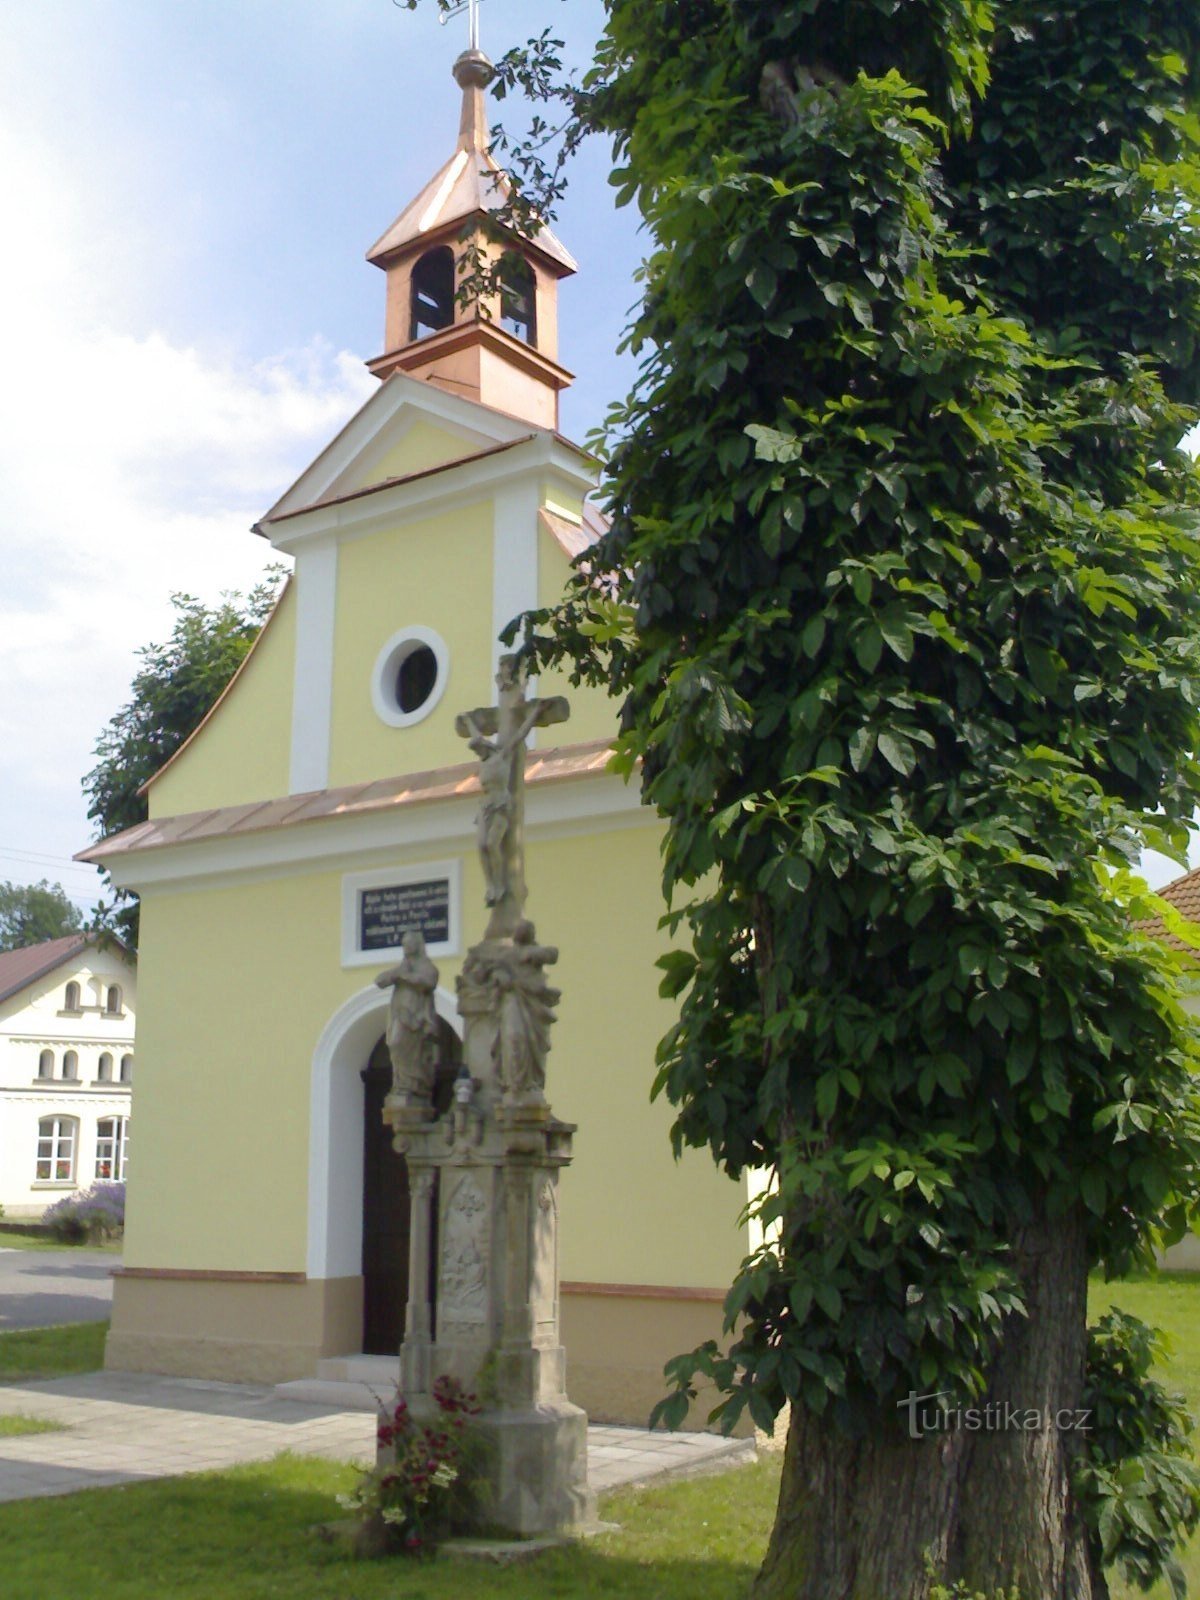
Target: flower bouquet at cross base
pixel 418 1491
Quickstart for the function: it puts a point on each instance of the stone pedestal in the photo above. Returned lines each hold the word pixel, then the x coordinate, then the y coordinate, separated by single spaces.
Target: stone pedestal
pixel 484 1185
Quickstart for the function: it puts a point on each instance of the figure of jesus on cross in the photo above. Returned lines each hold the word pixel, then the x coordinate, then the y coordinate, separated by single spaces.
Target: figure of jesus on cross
pixel 497 735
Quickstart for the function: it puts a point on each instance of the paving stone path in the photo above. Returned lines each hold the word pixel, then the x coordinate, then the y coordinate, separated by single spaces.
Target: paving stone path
pixel 123 1427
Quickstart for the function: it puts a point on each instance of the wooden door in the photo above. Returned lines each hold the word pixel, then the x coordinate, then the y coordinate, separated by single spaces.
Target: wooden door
pixel 385 1217
pixel 386 1199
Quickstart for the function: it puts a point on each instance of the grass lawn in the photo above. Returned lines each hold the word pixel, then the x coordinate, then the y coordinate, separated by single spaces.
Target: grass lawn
pixel 13 1427
pixel 246 1533
pixel 30 1353
pixel 43 1241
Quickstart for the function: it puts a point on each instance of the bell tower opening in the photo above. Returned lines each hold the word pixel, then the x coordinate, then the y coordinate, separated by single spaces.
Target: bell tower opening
pixel 518 298
pixel 472 295
pixel 432 292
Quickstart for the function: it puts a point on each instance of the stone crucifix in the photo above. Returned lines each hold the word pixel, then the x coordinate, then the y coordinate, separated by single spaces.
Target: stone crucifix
pixel 497 736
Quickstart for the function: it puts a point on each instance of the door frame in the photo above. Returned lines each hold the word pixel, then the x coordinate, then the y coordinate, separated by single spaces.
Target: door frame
pixel 335 1128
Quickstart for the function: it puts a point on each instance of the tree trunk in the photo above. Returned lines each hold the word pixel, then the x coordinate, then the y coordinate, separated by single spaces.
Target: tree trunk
pixel 888 1517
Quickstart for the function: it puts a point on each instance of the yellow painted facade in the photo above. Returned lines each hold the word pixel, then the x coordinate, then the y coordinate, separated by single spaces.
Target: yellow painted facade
pixel 421 446
pixel 242 1088
pixel 240 753
pixel 436 573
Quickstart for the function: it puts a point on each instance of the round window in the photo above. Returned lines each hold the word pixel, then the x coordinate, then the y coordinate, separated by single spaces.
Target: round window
pixel 410 676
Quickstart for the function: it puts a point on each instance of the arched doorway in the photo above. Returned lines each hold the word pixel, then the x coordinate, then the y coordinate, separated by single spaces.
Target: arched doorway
pixel 385 1199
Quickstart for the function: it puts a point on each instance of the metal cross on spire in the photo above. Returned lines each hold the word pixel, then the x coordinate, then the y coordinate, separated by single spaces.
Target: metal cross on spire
pixel 471 7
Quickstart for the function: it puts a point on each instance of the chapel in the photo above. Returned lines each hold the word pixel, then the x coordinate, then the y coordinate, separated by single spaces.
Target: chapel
pixel 327 804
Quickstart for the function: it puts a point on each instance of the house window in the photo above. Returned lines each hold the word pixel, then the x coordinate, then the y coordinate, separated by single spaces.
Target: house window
pixel 432 292
pixel 126 1069
pixel 56 1150
pixel 518 298
pixel 104 1069
pixel 112 1148
pixel 70 1070
pixel 71 999
pixel 112 1001
pixel 46 1064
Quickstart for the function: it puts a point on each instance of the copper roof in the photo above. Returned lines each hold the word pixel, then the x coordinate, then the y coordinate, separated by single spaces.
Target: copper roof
pixel 469 184
pixel 1184 895
pixel 573 538
pixel 19 968
pixel 353 800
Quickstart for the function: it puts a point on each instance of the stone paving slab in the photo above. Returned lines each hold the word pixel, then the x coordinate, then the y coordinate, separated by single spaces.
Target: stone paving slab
pixel 124 1427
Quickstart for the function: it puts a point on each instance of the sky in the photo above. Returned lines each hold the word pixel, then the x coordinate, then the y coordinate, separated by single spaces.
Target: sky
pixel 187 193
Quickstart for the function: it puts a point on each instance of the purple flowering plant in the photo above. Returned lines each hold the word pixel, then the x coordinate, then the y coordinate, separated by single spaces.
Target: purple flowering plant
pixel 96 1214
pixel 410 1498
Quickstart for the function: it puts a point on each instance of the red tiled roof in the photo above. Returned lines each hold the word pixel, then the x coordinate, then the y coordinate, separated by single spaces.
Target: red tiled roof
pixel 19 968
pixel 1184 895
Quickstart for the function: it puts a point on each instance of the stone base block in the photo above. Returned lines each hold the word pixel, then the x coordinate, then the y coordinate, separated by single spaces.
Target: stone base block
pixel 535 1469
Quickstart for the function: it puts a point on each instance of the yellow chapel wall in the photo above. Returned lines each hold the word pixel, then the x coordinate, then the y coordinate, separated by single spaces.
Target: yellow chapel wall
pixel 241 752
pixel 435 573
pixel 421 446
pixel 238 984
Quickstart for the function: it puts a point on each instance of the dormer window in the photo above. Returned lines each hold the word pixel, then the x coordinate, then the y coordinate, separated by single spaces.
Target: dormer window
pixel 112 1001
pixel 432 292
pixel 518 298
pixel 71 998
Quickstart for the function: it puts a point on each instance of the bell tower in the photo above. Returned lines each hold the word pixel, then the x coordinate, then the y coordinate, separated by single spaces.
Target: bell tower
pixel 502 349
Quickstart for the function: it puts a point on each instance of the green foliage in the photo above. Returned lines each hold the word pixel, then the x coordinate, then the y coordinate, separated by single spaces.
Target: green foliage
pixel 175 687
pixel 900 598
pixel 33 912
pixel 1137 1484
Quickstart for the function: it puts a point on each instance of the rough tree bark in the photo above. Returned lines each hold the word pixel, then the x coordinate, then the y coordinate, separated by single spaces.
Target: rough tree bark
pixel 976 1505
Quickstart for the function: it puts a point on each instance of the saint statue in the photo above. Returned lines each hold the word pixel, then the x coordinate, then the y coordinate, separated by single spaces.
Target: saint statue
pixel 412 1031
pixel 526 1010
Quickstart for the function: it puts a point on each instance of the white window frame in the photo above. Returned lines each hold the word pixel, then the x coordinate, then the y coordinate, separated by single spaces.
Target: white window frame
pixel 353 884
pixel 64 1133
pixel 387 665
pixel 118 1149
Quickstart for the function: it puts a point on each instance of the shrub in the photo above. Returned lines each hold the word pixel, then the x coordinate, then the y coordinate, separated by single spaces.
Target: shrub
pixel 95 1215
pixel 1138 1488
pixel 417 1492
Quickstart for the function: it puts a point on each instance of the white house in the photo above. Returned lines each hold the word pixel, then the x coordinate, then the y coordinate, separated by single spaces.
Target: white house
pixel 66 1069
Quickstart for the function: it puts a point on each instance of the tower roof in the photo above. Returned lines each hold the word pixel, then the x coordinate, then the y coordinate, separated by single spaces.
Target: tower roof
pixel 469 184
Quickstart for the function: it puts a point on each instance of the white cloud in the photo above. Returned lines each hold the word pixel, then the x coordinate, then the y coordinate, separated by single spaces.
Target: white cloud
pixel 130 467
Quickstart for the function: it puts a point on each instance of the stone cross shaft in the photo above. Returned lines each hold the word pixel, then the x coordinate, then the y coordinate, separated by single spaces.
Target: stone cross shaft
pixel 497 735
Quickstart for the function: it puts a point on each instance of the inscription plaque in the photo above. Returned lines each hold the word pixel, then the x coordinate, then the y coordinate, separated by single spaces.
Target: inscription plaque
pixel 385 913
